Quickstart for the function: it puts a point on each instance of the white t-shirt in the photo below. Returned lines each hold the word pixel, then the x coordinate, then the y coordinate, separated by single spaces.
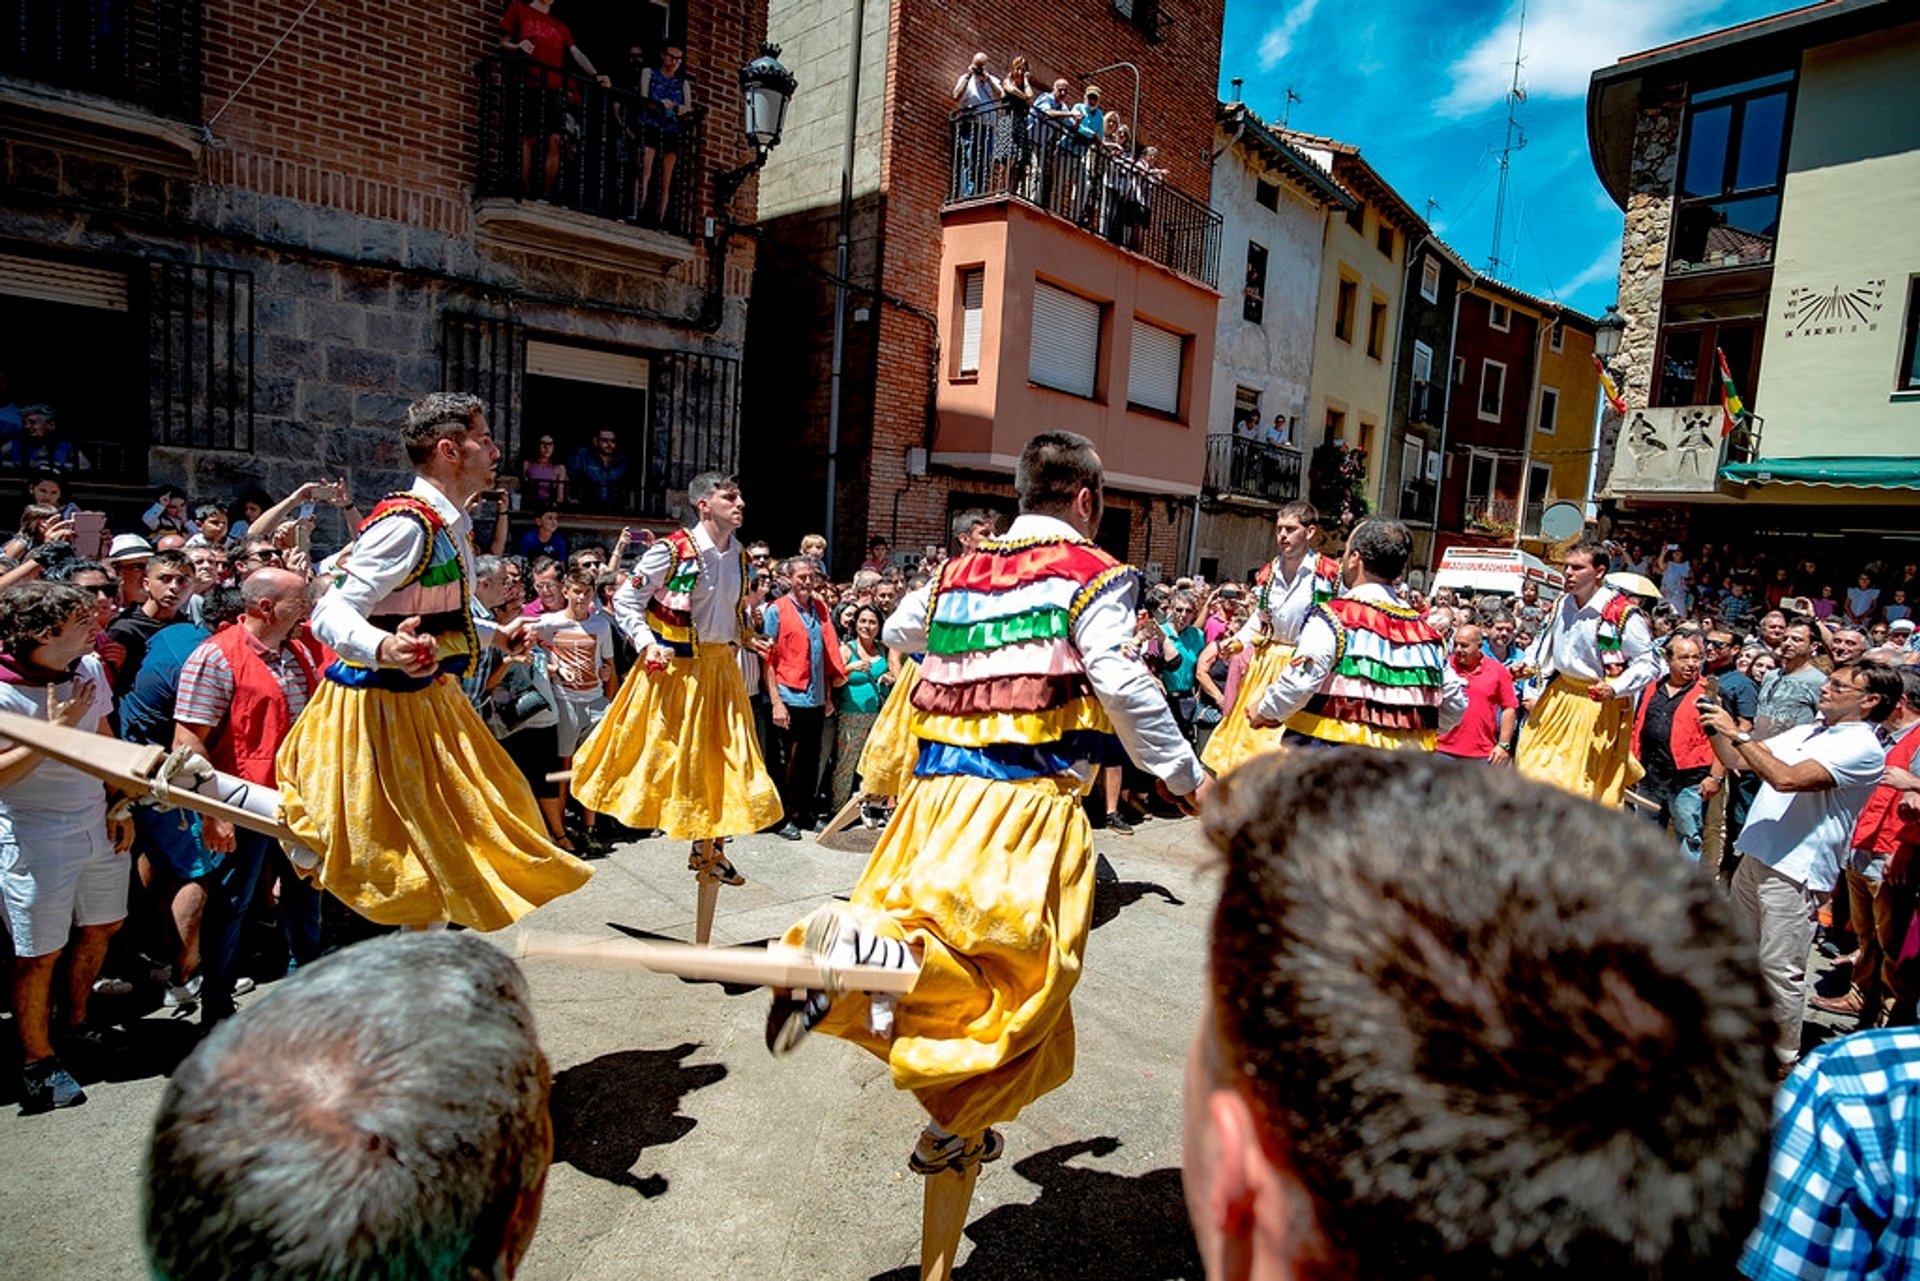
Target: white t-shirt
pixel 1804 835
pixel 579 649
pixel 54 790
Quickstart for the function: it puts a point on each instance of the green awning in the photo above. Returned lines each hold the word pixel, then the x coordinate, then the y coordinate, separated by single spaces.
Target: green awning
pixel 1839 470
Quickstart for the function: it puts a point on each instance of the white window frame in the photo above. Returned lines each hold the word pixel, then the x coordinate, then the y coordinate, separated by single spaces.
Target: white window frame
pixel 1422 362
pixel 1413 460
pixel 1543 423
pixel 1500 399
pixel 1495 310
pixel 1557 336
pixel 1156 353
pixel 1430 278
pixel 973 291
pixel 1074 306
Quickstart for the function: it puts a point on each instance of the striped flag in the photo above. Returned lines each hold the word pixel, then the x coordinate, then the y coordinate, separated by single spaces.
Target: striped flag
pixel 1608 386
pixel 1731 405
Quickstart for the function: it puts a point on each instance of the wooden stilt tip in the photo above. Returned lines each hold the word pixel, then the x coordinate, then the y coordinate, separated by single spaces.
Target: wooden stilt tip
pixel 709 897
pixel 943 1218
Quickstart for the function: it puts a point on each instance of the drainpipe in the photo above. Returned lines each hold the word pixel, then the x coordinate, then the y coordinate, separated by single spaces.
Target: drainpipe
pixel 841 256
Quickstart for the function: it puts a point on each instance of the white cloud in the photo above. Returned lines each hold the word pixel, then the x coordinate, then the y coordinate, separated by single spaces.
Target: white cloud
pixel 1278 42
pixel 1601 270
pixel 1565 41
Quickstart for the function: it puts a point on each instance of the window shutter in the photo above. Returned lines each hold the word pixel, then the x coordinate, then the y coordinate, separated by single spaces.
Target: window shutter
pixel 973 285
pixel 587 365
pixel 1066 341
pixel 1153 375
pixel 45 280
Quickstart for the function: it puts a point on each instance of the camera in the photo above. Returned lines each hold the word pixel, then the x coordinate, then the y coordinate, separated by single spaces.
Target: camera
pixel 1702 704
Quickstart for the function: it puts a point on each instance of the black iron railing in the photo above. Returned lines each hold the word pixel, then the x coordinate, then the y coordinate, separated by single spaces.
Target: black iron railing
pixel 146 52
pixel 1248 469
pixel 556 136
pixel 200 345
pixel 1002 149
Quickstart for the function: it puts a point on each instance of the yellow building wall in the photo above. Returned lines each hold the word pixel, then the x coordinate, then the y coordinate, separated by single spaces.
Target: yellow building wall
pixel 1344 377
pixel 1849 247
pixel 1568 450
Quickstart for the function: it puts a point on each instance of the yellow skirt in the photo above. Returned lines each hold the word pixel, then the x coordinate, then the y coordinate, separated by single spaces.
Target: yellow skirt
pixel 886 763
pixel 992 882
pixel 416 812
pixel 1234 740
pixel 1578 745
pixel 677 751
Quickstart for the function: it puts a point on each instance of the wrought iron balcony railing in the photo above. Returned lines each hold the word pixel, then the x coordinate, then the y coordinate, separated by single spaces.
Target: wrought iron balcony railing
pixel 555 136
pixel 1242 468
pixel 143 52
pixel 1003 149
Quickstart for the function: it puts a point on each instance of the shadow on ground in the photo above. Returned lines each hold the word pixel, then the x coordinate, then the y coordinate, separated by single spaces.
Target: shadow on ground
pixel 1086 1225
pixel 609 1110
pixel 1110 898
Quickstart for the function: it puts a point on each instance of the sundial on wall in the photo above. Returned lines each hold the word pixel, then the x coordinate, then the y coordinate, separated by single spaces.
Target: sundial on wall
pixel 1841 309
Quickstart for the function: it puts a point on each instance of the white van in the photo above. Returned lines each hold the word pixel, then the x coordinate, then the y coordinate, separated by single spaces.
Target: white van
pixel 1495 571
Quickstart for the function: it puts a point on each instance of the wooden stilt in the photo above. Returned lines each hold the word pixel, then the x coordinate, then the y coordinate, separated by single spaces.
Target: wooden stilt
pixel 709 897
pixel 943 1216
pixel 844 819
pixel 775 965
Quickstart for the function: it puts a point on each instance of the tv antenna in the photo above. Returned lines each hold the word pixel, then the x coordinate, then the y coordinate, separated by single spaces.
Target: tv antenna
pixel 1286 112
pixel 1433 207
pixel 1516 141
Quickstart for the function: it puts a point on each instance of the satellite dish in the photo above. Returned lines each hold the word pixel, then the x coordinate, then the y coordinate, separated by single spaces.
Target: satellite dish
pixel 1562 521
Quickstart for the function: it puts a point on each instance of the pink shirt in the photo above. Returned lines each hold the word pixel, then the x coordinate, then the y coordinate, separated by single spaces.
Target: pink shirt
pixel 1489 693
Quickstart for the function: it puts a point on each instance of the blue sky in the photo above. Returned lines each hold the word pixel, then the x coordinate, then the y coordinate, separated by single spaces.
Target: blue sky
pixel 1419 86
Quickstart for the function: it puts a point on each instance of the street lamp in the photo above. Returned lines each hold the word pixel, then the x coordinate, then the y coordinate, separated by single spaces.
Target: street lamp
pixel 768 87
pixel 1607 333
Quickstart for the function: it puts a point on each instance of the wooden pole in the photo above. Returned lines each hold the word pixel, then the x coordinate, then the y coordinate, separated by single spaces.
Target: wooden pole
pixel 132 767
pixel 776 965
pixel 943 1216
pixel 709 898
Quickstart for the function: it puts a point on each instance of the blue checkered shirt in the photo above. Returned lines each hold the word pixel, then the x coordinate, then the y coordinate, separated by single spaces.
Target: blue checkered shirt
pixel 1842 1197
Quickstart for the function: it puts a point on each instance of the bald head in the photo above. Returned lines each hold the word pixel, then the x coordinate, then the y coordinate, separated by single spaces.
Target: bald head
pixel 276 602
pixel 272 584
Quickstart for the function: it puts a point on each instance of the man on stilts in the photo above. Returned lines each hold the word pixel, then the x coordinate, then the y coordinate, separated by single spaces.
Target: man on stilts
pixel 417 815
pixel 1297 580
pixel 985 874
pixel 1579 736
pixel 677 749
pixel 1367 670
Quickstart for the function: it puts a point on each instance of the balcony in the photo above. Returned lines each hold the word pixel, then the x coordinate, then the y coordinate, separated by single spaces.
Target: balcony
pixel 1680 450
pixel 117 79
pixel 1002 151
pixel 562 165
pixel 1248 470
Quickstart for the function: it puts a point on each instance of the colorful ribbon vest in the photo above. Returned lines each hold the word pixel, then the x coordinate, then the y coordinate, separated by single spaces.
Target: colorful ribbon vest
pixel 1003 692
pixel 670 612
pixel 1385 687
pixel 435 591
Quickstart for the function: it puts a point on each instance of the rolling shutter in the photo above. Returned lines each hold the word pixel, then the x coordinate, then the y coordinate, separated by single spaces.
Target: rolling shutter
pixel 586 365
pixel 1066 341
pixel 48 281
pixel 1153 375
pixel 973 284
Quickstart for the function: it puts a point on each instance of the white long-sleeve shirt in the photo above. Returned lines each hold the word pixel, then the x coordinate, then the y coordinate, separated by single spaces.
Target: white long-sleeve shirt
pixel 1313 658
pixel 716 593
pixel 1288 600
pixel 1133 701
pixel 376 566
pixel 1569 645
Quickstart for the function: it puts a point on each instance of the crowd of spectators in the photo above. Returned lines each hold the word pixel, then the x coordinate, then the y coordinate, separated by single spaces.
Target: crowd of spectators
pixel 1014 134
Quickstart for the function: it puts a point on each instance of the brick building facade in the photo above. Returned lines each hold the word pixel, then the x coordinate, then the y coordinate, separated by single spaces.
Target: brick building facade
pixel 236 239
pixel 898 342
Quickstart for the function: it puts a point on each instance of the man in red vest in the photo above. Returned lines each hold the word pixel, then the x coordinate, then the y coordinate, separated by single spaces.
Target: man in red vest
pixel 807 667
pixel 1682 774
pixel 1879 893
pixel 240 693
